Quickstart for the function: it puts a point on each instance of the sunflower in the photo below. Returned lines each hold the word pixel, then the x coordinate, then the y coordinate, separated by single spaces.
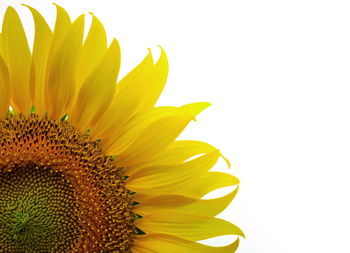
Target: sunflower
pixel 89 164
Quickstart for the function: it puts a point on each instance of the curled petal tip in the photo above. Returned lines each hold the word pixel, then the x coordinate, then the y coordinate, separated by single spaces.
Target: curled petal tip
pixel 227 161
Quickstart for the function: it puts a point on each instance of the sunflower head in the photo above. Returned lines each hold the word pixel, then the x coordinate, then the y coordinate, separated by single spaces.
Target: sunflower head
pixel 88 163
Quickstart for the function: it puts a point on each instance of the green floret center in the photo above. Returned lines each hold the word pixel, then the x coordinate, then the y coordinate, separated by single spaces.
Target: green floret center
pixel 29 223
pixel 38 212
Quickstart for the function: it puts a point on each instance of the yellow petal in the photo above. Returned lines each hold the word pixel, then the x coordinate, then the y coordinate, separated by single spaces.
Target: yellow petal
pixel 205 183
pixel 160 74
pixel 186 225
pixel 209 207
pixel 170 179
pixel 160 243
pixel 145 83
pixel 62 25
pixel 97 92
pixel 135 127
pixel 180 151
pixel 17 57
pixel 94 48
pixel 1 45
pixel 176 153
pixel 129 92
pixel 61 71
pixel 41 47
pixel 4 89
pixel 153 136
pixel 208 182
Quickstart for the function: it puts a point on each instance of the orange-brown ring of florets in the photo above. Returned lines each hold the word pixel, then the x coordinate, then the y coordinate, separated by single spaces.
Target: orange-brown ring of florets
pixel 105 210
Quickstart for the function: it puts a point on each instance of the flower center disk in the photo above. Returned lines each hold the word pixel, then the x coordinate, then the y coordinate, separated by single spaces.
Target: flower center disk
pixel 59 192
pixel 38 210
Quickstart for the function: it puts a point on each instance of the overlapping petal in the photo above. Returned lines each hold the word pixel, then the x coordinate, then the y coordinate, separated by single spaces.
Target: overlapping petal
pixel 188 226
pixel 209 182
pixel 209 207
pixel 61 68
pixel 140 81
pixel 41 49
pixel 17 56
pixel 92 51
pixel 62 26
pixel 160 243
pixel 176 153
pixel 98 89
pixel 165 179
pixel 146 135
pixel 123 105
pixel 4 89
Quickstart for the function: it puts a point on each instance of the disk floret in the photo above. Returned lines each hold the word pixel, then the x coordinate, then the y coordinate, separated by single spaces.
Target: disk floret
pixel 59 192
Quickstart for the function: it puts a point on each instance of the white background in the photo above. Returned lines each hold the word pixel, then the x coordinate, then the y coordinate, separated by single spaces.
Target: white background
pixel 278 76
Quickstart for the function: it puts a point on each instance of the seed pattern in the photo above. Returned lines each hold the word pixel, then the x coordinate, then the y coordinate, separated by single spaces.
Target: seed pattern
pixel 43 149
pixel 38 211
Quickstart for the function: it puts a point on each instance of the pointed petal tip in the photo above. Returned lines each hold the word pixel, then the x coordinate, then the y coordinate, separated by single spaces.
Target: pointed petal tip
pixel 57 6
pixel 195 108
pixel 60 8
pixel 114 41
pixel 94 18
pixel 10 10
pixel 161 48
pixel 163 56
pixel 32 9
pixel 162 51
pixel 82 16
pixel 207 104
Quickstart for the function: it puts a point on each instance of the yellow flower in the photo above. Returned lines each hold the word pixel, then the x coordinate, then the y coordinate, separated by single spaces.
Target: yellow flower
pixel 90 166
